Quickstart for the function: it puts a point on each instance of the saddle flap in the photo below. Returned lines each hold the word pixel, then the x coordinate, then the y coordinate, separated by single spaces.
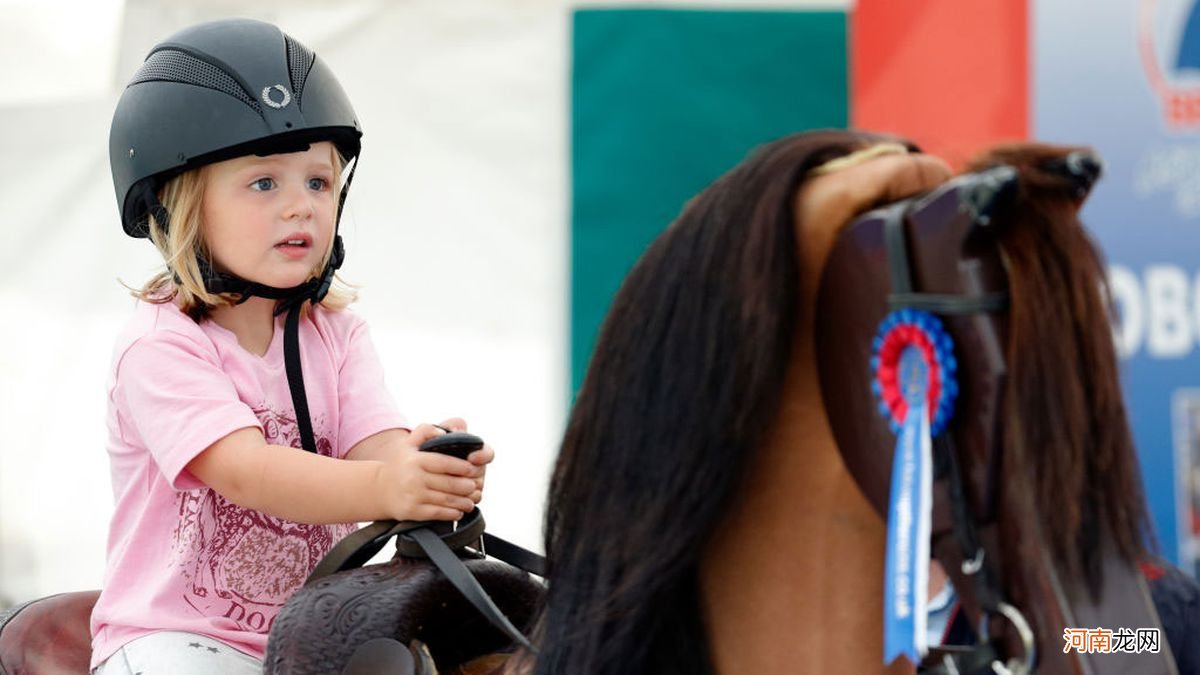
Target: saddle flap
pixel 48 636
pixel 404 599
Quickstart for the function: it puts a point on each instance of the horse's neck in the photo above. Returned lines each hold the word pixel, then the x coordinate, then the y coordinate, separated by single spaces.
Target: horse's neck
pixel 794 578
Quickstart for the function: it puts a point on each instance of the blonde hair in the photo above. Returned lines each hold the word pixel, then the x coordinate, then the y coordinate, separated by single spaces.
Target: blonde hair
pixel 182 245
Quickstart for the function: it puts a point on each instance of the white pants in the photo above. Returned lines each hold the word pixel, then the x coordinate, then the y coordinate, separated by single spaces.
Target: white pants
pixel 174 653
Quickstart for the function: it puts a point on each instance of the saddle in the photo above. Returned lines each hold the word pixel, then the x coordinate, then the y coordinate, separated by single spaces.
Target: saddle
pixel 410 614
pixel 48 636
pixel 429 610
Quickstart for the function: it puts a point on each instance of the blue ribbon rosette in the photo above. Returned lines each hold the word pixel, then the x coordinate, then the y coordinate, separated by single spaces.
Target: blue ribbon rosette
pixel 913 370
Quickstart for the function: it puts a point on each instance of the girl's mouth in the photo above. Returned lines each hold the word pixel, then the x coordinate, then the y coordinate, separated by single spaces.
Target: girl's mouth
pixel 295 245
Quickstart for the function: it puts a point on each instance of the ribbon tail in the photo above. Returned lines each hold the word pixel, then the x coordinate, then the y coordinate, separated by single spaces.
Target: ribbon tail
pixel 906 568
pixel 924 528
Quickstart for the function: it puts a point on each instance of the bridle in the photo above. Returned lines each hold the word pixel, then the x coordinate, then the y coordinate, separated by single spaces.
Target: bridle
pixel 977 196
pixel 937 253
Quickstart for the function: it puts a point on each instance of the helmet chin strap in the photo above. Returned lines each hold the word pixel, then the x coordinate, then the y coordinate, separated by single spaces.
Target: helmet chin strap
pixel 314 289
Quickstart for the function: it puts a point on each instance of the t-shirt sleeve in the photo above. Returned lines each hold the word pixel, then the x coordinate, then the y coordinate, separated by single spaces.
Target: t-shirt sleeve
pixel 177 400
pixel 366 407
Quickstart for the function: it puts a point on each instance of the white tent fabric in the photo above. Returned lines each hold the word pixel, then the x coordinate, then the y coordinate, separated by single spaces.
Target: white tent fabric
pixel 457 230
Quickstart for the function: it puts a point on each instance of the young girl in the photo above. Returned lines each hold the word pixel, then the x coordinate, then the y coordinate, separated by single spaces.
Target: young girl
pixel 229 424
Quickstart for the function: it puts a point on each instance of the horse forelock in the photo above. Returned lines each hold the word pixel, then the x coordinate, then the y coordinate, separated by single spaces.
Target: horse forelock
pixel 1067 432
pixel 686 375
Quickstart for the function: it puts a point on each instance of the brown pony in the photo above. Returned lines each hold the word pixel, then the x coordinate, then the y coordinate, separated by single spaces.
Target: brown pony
pixel 701 517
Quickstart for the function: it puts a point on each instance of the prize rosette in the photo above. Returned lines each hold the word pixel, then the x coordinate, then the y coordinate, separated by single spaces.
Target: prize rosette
pixel 913 369
pixel 913 357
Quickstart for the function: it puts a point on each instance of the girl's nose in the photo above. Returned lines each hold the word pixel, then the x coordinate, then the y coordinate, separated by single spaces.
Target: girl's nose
pixel 299 203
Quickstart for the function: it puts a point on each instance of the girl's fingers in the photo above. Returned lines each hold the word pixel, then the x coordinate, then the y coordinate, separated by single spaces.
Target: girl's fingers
pixel 428 512
pixel 451 484
pixel 424 432
pixel 451 501
pixel 482 456
pixel 454 424
pixel 436 462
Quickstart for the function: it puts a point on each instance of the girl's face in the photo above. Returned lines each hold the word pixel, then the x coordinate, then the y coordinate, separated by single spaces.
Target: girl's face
pixel 270 219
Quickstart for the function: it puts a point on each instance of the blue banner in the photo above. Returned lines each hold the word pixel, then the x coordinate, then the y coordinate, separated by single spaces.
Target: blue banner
pixel 1123 76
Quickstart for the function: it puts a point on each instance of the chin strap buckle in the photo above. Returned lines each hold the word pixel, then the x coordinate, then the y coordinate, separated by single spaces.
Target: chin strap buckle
pixel 335 261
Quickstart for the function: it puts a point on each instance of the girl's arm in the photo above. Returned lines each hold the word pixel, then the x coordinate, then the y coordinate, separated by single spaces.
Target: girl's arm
pixel 380 446
pixel 304 487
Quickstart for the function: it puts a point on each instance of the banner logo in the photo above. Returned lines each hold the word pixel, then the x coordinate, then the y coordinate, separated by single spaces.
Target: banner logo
pixel 1169 47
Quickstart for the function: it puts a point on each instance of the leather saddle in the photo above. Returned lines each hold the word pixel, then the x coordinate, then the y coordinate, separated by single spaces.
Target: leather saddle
pixel 352 619
pixel 48 636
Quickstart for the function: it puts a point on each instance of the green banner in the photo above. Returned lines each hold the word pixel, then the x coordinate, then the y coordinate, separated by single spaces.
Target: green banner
pixel 665 101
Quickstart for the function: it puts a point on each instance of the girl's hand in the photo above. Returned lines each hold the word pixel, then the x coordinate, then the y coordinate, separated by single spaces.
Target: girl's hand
pixel 419 485
pixel 480 458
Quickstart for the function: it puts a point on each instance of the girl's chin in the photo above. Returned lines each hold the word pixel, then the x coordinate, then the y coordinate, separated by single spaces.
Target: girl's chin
pixel 288 282
pixel 279 280
pixel 274 273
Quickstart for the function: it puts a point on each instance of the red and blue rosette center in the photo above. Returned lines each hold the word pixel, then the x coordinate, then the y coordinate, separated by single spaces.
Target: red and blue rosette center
pixel 912 361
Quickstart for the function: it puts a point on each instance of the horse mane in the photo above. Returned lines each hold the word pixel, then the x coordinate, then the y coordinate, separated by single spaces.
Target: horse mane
pixel 1066 428
pixel 686 375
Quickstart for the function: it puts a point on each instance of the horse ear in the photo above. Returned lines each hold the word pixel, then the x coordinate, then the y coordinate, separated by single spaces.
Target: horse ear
pixel 987 191
pixel 1082 168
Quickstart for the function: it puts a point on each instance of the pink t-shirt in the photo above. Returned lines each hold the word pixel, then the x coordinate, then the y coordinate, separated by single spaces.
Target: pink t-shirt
pixel 180 556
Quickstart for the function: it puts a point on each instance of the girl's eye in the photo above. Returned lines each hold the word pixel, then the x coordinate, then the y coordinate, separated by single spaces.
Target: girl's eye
pixel 317 184
pixel 263 184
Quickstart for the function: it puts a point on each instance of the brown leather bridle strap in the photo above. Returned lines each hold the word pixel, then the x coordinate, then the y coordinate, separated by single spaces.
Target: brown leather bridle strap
pixel 978 193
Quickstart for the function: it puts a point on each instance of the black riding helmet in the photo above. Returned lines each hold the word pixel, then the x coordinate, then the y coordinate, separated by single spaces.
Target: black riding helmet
pixel 216 91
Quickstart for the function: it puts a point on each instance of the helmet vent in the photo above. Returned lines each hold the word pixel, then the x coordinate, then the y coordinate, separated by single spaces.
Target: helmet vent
pixel 300 61
pixel 170 65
